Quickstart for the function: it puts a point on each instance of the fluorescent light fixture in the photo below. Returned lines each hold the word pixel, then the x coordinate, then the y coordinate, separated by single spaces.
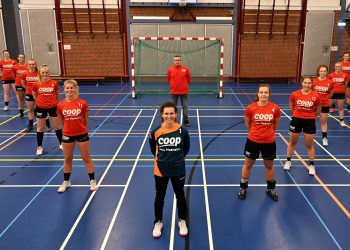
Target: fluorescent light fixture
pixel 218 18
pixel 150 17
pixel 341 24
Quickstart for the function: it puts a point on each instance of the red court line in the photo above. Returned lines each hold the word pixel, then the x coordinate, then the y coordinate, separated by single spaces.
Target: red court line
pixel 336 200
pixel 110 100
pixel 11 142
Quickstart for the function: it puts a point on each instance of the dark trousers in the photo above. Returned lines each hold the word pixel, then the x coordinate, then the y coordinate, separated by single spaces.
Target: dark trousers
pixel 183 99
pixel 178 183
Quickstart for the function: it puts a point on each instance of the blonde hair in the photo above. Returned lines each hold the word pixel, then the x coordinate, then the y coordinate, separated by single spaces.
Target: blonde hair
pixel 74 84
pixel 42 66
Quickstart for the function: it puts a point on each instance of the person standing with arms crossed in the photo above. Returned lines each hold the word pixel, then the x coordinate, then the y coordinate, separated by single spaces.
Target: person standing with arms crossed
pixel 262 118
pixel 169 143
pixel 179 77
pixel 305 105
pixel 74 115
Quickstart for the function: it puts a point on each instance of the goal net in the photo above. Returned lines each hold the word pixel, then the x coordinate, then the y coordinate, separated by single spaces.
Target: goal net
pixel 151 57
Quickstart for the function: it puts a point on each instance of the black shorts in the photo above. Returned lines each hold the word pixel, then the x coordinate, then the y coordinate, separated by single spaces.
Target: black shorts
pixel 29 98
pixel 338 96
pixel 252 150
pixel 42 113
pixel 20 88
pixel 325 109
pixel 348 84
pixel 8 81
pixel 308 126
pixel 76 138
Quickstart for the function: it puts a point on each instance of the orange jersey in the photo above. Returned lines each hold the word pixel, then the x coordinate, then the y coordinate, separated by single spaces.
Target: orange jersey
pixel 338 80
pixel 46 93
pixel 305 105
pixel 19 70
pixel 323 88
pixel 262 121
pixel 73 116
pixel 29 78
pixel 179 79
pixel 345 67
pixel 7 69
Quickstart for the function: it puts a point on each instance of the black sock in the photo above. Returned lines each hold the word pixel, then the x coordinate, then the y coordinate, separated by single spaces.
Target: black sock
pixel 271 184
pixel 48 125
pixel 348 106
pixel 92 176
pixel 341 119
pixel 31 122
pixel 66 176
pixel 289 158
pixel 312 162
pixel 6 103
pixel 324 134
pixel 59 135
pixel 39 138
pixel 244 183
pixel 21 111
pixel 333 106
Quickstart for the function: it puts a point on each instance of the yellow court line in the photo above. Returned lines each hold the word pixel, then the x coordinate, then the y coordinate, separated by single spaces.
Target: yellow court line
pixel 6 121
pixel 334 118
pixel 336 200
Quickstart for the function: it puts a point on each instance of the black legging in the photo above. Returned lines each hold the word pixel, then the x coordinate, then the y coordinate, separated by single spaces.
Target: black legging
pixel 178 183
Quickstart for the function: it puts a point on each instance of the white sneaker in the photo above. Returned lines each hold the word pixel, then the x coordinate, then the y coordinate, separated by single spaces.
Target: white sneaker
pixel 342 124
pixel 6 108
pixel 93 185
pixel 61 147
pixel 287 165
pixel 39 151
pixel 312 170
pixel 64 186
pixel 183 228
pixel 157 230
pixel 325 141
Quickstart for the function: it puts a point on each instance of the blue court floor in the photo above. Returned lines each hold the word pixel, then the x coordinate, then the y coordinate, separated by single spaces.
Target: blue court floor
pixel 311 213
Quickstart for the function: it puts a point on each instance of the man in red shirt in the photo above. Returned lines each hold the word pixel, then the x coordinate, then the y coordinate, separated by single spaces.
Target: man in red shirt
pixel 179 77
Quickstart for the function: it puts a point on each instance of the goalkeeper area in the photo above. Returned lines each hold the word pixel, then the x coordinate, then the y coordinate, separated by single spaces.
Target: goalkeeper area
pixel 152 56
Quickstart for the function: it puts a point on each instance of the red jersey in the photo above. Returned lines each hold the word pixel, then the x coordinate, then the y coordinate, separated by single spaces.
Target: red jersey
pixel 7 69
pixel 262 121
pixel 46 93
pixel 345 67
pixel 73 116
pixel 305 105
pixel 179 79
pixel 19 70
pixel 323 88
pixel 29 78
pixel 338 80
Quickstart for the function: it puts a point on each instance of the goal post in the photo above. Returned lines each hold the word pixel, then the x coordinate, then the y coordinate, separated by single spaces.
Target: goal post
pixel 151 57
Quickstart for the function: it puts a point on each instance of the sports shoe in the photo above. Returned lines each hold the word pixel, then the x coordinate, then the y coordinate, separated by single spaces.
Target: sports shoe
pixel 39 151
pixel 28 128
pixel 325 141
pixel 64 186
pixel 287 165
pixel 183 228
pixel 48 129
pixel 272 194
pixel 242 194
pixel 61 147
pixel 21 115
pixel 157 230
pixel 312 170
pixel 93 185
pixel 331 110
pixel 342 124
pixel 6 108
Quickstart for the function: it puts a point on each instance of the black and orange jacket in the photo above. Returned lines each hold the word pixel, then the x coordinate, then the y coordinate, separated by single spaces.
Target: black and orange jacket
pixel 169 146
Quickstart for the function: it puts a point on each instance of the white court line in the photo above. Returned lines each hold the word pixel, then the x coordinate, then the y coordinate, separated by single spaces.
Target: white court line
pixel 15 135
pixel 64 244
pixel 334 158
pixel 105 240
pixel 210 236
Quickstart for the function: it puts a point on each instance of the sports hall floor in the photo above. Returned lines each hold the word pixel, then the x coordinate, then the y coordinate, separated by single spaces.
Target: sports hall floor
pixel 311 213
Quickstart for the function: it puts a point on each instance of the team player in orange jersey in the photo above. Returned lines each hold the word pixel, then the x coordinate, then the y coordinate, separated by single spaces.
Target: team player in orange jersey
pixel 305 105
pixel 324 88
pixel 262 118
pixel 74 114
pixel 46 92
pixel 339 80
pixel 345 65
pixel 7 77
pixel 19 69
pixel 27 80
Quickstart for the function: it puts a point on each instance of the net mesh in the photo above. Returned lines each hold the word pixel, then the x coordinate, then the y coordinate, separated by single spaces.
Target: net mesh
pixel 153 57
